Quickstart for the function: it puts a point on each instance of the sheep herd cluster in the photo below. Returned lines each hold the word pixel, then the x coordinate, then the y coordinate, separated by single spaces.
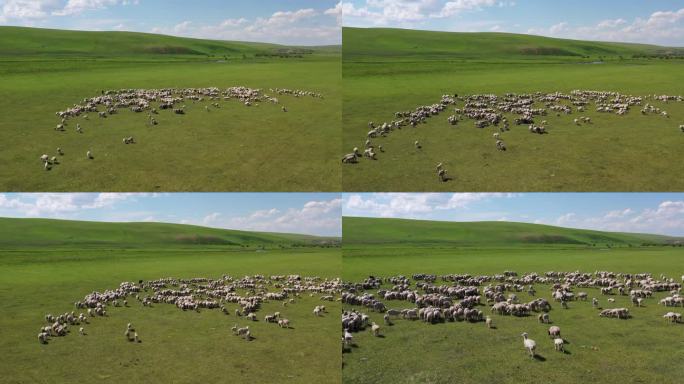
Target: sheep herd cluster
pixel 151 101
pixel 526 109
pixel 475 299
pixel 247 293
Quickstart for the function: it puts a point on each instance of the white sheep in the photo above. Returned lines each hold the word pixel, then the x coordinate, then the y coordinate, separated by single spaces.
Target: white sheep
pixel 558 344
pixel 529 344
pixel 375 329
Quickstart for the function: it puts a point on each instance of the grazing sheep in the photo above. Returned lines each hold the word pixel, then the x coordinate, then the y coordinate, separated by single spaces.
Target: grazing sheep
pixel 554 331
pixel 543 318
pixel 417 145
pixel 284 323
pixel 558 344
pixel 489 322
pixel 89 155
pixel 81 331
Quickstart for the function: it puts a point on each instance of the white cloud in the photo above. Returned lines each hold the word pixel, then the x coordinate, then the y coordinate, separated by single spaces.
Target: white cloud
pixel 666 218
pixel 611 23
pixel 320 217
pixel 302 27
pixel 75 7
pixel 412 205
pixel 408 13
pixel 662 27
pixel 59 204
pixel 455 7
pixel 28 9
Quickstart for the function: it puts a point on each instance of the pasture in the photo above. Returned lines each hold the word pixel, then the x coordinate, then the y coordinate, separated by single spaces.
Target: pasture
pixel 387 71
pixel 236 148
pixel 638 349
pixel 176 346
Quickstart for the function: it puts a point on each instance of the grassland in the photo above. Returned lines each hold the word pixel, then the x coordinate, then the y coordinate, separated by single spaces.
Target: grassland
pixel 233 148
pixel 631 351
pixel 58 264
pixel 389 70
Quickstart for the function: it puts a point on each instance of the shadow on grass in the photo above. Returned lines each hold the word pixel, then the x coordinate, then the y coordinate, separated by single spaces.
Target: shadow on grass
pixel 539 357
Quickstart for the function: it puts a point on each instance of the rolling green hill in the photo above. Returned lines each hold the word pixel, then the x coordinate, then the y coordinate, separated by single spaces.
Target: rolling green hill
pixel 389 43
pixel 37 42
pixel 20 233
pixel 400 232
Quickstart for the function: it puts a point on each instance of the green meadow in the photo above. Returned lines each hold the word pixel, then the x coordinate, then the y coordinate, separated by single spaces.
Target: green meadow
pixel 638 350
pixel 234 147
pixel 391 70
pixel 46 265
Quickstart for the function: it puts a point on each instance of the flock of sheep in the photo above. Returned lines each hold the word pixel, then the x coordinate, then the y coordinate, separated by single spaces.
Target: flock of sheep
pixel 436 299
pixel 151 101
pixel 247 293
pixel 489 110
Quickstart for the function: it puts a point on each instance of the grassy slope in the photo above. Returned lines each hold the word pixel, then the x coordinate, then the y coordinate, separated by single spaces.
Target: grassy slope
pixel 26 42
pixel 598 349
pixel 401 232
pixel 613 154
pixel 179 347
pixel 78 234
pixel 378 43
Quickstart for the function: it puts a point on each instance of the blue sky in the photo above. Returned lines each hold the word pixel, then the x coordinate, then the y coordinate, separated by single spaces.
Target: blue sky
pixel 300 22
pixel 647 21
pixel 661 213
pixel 308 213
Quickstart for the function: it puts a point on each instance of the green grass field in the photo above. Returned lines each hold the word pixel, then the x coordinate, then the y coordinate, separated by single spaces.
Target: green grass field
pixel 234 148
pixel 389 70
pixel 52 265
pixel 637 350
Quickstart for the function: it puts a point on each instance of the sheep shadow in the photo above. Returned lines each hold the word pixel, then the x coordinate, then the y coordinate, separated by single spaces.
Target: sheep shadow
pixel 493 327
pixel 539 357
pixel 381 336
pixel 566 352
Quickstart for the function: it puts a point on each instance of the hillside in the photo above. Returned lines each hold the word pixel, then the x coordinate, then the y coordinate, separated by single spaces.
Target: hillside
pixel 401 232
pixel 20 233
pixel 38 42
pixel 389 43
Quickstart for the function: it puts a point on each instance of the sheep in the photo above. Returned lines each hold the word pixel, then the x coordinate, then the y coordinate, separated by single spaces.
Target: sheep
pixel 78 128
pixel 500 145
pixel 554 331
pixel 558 344
pixel 136 338
pixel 594 302
pixel 234 328
pixel 442 174
pixel 386 319
pixel 59 151
pixel 317 311
pixel 348 337
pixel 81 331
pixel 44 158
pixel 89 155
pixel 681 128
pixel 242 331
pixel 284 323
pixel 530 345
pixel 496 136
pixel 417 145
pixel 543 318
pixel 489 322
pixel 375 329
